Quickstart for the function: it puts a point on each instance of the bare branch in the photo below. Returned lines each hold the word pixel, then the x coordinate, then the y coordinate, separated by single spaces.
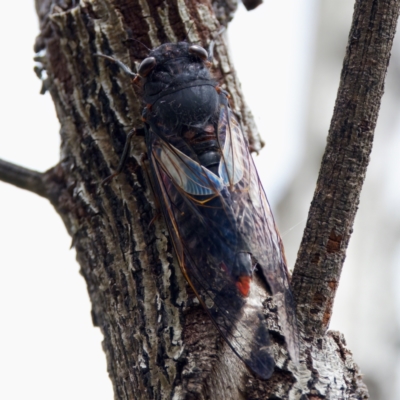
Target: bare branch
pixel 23 178
pixel 331 216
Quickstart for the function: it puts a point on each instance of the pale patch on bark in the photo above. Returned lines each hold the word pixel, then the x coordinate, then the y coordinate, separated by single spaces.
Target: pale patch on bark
pixel 187 21
pixel 207 17
pixel 163 13
pixel 150 22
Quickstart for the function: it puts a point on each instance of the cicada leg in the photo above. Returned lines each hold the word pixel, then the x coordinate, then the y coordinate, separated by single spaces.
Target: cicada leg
pixel 124 156
pixel 157 205
pixel 123 66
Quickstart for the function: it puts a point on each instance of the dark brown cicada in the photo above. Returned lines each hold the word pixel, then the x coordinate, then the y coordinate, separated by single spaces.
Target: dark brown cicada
pixel 212 199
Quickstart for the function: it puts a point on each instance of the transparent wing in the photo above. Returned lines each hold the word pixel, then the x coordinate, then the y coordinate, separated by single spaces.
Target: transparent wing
pixel 256 223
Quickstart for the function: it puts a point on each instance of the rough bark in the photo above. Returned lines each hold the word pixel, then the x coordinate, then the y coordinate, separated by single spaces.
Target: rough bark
pixel 344 164
pixel 158 341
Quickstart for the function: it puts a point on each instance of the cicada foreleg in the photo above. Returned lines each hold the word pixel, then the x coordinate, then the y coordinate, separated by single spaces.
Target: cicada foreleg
pixel 125 154
pixel 157 204
pixel 123 66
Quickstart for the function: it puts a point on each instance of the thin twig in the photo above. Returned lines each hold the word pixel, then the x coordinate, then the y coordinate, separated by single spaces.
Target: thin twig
pixel 331 216
pixel 23 178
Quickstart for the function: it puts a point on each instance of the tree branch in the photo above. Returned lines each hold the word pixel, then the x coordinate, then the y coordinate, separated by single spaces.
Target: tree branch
pixel 333 208
pixel 23 178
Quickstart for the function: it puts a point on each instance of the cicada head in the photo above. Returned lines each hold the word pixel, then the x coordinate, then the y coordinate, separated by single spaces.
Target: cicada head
pixel 177 84
pixel 174 58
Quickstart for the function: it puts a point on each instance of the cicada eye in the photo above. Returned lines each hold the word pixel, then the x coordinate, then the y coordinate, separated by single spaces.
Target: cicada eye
pixel 199 52
pixel 146 66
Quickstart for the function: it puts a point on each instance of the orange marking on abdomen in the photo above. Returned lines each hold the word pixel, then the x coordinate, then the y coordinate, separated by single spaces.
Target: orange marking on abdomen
pixel 243 285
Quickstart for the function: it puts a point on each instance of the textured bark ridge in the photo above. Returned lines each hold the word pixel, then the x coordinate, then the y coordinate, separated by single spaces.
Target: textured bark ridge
pixel 159 342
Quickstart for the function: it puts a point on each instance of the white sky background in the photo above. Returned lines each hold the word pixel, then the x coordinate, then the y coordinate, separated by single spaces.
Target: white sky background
pixel 49 348
pixel 276 91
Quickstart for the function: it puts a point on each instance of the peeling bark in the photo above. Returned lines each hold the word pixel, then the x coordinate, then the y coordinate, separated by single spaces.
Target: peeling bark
pixel 158 341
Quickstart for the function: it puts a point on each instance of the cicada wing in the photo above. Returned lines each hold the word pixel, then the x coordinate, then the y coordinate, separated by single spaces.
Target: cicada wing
pixel 274 268
pixel 204 233
pixel 255 221
pixel 234 160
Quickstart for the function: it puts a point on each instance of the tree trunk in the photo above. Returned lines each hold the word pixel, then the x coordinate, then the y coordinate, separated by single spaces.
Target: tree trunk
pixel 158 341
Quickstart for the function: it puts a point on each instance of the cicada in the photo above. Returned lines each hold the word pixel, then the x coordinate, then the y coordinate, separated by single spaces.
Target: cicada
pixel 211 196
